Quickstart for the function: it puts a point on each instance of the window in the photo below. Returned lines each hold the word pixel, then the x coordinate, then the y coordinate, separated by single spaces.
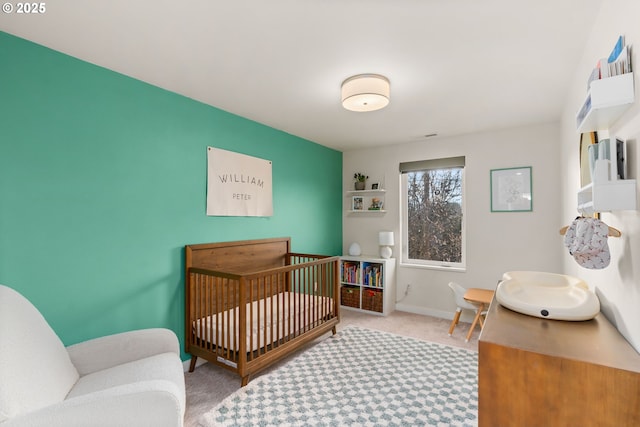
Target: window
pixel 433 212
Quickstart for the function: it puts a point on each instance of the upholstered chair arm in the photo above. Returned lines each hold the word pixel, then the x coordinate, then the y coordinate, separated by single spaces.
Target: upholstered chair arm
pixel 156 403
pixel 112 350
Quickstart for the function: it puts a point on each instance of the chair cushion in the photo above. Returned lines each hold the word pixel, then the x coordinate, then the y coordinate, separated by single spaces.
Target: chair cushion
pixel 35 369
pixel 165 366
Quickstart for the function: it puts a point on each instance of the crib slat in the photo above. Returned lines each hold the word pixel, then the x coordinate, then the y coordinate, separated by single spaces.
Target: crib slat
pixel 229 320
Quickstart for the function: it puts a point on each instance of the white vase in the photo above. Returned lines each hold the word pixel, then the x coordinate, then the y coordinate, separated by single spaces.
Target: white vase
pixel 354 249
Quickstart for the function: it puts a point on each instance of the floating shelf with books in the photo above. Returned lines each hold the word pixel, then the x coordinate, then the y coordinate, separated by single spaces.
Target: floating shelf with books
pixel 610 94
pixel 609 90
pixel 608 191
pixel 606 101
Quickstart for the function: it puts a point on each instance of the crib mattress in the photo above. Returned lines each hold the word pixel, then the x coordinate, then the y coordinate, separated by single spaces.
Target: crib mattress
pixel 274 317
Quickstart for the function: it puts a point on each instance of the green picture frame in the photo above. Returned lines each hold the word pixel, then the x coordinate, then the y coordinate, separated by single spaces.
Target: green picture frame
pixel 511 189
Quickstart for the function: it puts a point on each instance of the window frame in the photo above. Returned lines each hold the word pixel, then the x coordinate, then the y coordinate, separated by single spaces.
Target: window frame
pixel 444 163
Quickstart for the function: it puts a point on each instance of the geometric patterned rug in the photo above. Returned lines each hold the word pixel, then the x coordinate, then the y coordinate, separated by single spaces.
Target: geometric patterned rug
pixel 360 377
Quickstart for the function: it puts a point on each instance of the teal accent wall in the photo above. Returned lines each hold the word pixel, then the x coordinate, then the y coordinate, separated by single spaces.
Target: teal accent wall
pixel 103 182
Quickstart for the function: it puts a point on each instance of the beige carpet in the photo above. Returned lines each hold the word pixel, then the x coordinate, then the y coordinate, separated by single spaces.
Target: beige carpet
pixel 208 385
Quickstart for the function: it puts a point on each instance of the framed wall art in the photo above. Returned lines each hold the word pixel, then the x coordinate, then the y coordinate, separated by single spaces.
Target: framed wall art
pixel 511 190
pixel 357 203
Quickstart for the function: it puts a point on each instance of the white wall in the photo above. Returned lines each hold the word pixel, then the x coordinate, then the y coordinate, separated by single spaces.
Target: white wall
pixel 618 286
pixel 496 242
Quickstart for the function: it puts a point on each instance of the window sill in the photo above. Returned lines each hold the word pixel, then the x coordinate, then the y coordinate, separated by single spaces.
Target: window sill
pixel 434 267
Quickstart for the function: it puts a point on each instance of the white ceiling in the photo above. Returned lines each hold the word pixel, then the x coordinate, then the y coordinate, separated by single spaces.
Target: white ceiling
pixel 455 66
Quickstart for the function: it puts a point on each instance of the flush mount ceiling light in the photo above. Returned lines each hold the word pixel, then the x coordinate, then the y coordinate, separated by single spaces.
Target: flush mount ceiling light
pixel 365 92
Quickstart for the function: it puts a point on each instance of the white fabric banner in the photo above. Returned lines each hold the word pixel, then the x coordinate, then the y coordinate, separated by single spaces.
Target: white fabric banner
pixel 237 184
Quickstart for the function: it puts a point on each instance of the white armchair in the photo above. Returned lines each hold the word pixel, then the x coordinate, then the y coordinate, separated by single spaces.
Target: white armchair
pixel 129 379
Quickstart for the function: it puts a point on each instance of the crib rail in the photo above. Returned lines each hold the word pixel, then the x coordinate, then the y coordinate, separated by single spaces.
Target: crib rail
pixel 281 306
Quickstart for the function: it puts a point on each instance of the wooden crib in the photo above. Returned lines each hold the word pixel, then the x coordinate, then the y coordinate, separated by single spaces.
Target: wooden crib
pixel 288 298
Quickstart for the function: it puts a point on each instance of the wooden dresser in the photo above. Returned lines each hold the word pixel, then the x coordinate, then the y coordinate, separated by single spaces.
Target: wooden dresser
pixel 538 372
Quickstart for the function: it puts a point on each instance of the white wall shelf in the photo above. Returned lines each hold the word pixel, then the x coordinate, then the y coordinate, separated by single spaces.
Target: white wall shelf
pixel 607 192
pixel 356 192
pixel 367 201
pixel 607 196
pixel 605 102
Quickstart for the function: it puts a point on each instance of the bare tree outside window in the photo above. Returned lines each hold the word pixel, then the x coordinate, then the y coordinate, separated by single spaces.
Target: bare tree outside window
pixel 434 216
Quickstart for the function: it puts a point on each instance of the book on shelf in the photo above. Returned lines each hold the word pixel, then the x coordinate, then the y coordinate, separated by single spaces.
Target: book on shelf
pixel 372 276
pixel 618 62
pixel 622 64
pixel 617 49
pixel 350 272
pixel 595 75
pixel 603 67
pixel 584 110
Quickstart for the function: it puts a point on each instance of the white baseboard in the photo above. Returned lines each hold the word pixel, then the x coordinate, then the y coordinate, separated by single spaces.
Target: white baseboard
pixel 424 311
pixel 466 317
